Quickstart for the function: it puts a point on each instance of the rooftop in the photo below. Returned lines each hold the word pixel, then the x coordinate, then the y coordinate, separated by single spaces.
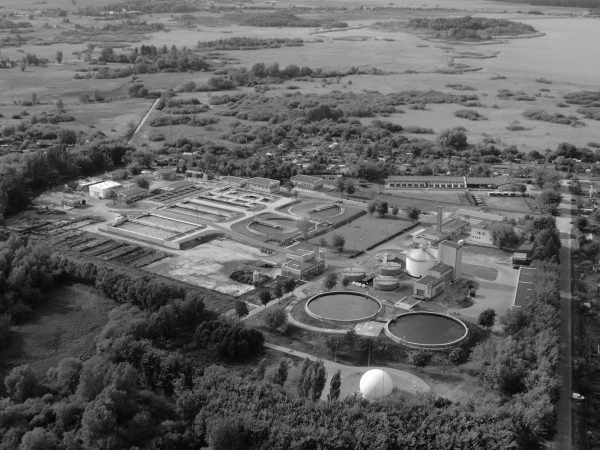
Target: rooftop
pixel 263 181
pixel 500 179
pixel 234 179
pixel 441 268
pixel 429 280
pixel 299 265
pixel 470 213
pixel 450 244
pixel 306 179
pixel 425 178
pixel 109 184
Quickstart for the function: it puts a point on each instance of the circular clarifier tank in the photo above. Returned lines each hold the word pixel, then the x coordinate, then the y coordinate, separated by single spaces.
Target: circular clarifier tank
pixel 343 306
pixel 427 330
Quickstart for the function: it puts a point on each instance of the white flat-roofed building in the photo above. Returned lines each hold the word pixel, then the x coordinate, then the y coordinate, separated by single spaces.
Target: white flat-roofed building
pixel 416 181
pixel 103 189
pixel 264 185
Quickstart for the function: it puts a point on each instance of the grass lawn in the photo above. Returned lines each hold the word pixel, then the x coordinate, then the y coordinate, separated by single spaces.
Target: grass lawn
pixel 365 232
pixel 64 325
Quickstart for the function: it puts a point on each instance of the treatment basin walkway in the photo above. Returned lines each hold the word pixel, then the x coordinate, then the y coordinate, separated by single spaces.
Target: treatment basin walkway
pixel 350 375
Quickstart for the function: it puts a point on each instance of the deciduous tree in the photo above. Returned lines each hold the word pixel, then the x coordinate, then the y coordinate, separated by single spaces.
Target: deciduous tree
pixel 338 241
pixel 420 358
pixel 275 318
pixel 335 386
pixel 487 318
pixel 241 308
pixel 330 280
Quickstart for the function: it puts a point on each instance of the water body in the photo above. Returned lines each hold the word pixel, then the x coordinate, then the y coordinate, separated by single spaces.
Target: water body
pixel 569 52
pixel 427 328
pixel 344 306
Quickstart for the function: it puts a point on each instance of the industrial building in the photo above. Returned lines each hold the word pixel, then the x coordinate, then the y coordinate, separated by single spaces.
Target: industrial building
pixel 131 193
pixel 445 182
pixel 408 181
pixel 434 273
pixel 428 287
pixel 304 266
pixel 307 182
pixel 450 229
pixel 105 189
pixel 264 185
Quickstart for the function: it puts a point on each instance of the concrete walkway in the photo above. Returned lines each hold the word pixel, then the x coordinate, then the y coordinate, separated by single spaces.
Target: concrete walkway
pixel 288 310
pixel 350 375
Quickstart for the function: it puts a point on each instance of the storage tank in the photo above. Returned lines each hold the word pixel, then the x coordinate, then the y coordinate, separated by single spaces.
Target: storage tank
pixel 354 273
pixel 376 384
pixel 419 261
pixel 390 268
pixel 384 283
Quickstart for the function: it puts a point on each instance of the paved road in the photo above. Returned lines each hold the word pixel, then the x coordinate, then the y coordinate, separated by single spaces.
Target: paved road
pixel 350 375
pixel 563 439
pixel 143 121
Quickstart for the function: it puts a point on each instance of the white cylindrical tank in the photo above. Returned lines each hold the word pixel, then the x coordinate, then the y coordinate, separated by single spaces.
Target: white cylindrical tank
pixel 419 261
pixel 390 268
pixel 384 283
pixel 376 384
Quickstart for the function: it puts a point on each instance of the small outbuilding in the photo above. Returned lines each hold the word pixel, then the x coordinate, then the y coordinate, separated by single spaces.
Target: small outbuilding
pixel 428 287
pixel 104 189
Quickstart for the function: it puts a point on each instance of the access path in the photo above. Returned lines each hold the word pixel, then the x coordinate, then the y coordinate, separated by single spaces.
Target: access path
pixel 350 375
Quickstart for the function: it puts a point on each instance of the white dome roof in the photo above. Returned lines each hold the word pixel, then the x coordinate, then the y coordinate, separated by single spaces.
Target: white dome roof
pixel 421 254
pixel 376 384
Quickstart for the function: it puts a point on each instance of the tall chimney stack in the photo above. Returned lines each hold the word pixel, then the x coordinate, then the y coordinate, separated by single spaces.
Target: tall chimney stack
pixel 439 219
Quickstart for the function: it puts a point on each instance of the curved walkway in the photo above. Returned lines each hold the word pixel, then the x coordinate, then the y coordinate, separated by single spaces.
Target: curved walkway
pixel 404 381
pixel 288 310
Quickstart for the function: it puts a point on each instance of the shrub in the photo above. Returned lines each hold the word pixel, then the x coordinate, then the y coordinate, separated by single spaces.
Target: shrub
pixel 275 318
pixel 469 114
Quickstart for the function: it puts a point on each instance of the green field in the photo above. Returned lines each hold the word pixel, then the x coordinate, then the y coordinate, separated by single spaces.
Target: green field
pixel 64 325
pixel 365 232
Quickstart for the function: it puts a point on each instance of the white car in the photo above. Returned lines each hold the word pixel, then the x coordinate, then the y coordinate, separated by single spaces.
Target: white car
pixel 577 396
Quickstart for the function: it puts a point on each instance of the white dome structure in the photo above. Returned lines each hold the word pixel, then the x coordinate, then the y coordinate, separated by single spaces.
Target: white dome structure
pixel 376 384
pixel 419 261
